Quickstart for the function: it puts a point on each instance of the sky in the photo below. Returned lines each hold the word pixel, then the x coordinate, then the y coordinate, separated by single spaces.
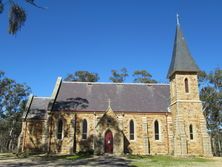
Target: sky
pixel 101 35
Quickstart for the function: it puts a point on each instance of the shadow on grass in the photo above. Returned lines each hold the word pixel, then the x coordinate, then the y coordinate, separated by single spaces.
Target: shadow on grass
pixel 63 157
pixel 70 160
pixel 6 156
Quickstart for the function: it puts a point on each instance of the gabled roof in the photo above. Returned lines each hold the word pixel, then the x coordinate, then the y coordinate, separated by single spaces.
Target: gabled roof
pixel 38 108
pixel 83 96
pixel 182 60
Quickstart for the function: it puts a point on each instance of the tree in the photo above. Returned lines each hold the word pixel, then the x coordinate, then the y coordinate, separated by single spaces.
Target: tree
pixel 119 76
pixel 13 97
pixel 83 76
pixel 142 76
pixel 211 95
pixel 17 15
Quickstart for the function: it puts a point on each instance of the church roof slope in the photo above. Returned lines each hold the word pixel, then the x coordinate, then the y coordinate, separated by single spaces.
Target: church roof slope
pixel 182 60
pixel 38 108
pixel 94 97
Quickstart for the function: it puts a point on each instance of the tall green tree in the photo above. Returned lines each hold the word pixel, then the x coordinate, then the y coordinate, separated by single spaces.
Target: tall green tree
pixel 211 95
pixel 143 76
pixel 13 97
pixel 83 76
pixel 119 76
pixel 17 15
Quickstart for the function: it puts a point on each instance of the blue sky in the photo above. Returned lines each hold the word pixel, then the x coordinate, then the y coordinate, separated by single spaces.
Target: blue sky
pixel 101 35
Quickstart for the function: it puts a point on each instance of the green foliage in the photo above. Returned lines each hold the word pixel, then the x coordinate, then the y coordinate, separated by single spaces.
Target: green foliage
pixel 142 76
pixel 17 15
pixel 215 78
pixel 83 76
pixel 13 97
pixel 17 18
pixel 1 7
pixel 119 76
pixel 211 95
pixel 160 160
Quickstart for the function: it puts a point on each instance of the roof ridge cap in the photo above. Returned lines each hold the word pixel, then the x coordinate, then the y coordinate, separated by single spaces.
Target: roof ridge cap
pixel 42 97
pixel 112 83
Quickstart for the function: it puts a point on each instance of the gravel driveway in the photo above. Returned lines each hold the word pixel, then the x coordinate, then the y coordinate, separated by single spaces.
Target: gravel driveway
pixel 101 161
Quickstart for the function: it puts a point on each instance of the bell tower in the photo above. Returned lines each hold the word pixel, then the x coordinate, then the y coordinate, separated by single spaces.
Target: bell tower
pixel 189 126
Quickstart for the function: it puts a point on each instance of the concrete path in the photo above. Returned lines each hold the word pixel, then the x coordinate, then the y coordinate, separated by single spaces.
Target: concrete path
pixel 100 161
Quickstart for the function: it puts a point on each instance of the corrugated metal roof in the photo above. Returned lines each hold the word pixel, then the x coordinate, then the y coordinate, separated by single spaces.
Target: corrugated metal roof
pixel 124 97
pixel 182 60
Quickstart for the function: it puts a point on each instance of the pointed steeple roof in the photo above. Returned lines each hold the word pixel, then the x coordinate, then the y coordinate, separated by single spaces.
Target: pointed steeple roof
pixel 182 60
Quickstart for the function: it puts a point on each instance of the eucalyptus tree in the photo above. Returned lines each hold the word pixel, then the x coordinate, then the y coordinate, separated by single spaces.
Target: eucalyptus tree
pixel 82 76
pixel 13 97
pixel 143 76
pixel 119 76
pixel 211 96
pixel 17 15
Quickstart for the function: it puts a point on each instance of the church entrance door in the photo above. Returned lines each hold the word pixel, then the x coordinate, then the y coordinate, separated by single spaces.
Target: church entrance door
pixel 108 143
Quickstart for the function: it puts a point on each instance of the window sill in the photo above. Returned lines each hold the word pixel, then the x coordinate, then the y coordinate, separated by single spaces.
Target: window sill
pixel 132 140
pixel 59 139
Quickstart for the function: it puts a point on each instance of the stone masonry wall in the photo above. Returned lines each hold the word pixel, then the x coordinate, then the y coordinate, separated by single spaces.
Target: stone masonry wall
pixel 32 136
pixel 144 142
pixel 186 109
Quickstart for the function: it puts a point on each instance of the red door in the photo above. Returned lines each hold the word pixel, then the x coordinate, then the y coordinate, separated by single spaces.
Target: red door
pixel 108 143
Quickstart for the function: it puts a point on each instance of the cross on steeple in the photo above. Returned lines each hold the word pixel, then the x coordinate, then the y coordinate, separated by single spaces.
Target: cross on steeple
pixel 178 19
pixel 181 61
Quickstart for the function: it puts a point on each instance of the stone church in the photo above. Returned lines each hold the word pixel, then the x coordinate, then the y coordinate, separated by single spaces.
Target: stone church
pixel 120 118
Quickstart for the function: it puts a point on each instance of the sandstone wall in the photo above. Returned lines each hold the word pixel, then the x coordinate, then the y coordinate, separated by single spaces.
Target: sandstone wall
pixel 144 142
pixel 186 109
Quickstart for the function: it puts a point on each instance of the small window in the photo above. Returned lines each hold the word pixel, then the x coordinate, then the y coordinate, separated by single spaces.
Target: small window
pixel 186 85
pixel 156 130
pixel 59 129
pixel 84 129
pixel 131 130
pixel 109 121
pixel 191 132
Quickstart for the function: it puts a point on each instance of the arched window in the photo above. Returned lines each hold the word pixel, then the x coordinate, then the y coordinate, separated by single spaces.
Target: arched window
pixel 191 131
pixel 156 130
pixel 131 130
pixel 60 129
pixel 186 85
pixel 84 129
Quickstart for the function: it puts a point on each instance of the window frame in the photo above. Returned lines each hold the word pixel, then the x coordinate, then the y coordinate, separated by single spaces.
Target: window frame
pixel 84 129
pixel 156 133
pixel 60 129
pixel 186 85
pixel 132 134
pixel 191 132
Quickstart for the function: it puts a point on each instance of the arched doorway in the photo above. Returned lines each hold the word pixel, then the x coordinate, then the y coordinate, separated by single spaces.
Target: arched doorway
pixel 108 142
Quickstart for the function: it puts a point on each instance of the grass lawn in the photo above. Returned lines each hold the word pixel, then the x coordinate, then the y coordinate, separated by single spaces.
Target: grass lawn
pixel 130 160
pixel 164 161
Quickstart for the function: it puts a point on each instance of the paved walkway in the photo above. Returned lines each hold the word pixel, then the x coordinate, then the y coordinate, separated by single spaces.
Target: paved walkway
pixel 100 161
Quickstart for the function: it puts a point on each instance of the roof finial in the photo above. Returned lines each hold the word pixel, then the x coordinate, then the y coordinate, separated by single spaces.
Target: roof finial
pixel 178 19
pixel 109 103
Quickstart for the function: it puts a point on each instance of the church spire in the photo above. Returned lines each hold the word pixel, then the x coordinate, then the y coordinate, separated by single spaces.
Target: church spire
pixel 182 60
